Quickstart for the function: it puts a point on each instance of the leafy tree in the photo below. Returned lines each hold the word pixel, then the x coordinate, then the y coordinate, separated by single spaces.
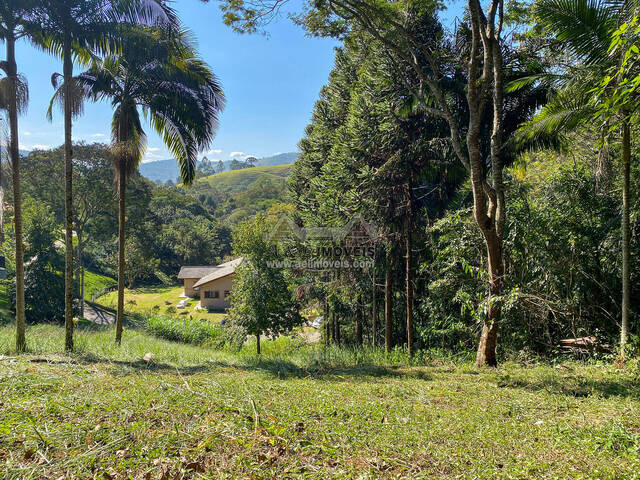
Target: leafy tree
pixel 482 64
pixel 576 103
pixel 260 301
pixel 44 289
pixel 159 71
pixel 16 18
pixel 139 264
pixel 238 165
pixel 81 28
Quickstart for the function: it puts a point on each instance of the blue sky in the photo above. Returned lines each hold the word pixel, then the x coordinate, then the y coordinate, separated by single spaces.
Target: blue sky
pixel 270 82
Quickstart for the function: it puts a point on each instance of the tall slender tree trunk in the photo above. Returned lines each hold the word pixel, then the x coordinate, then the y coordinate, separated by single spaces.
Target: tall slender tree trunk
pixel 374 307
pixel 488 199
pixel 68 197
pixel 332 331
pixel 121 245
pixel 626 272
pixel 336 328
pixel 359 319
pixel 388 303
pixel 327 323
pixel 486 354
pixel 258 344
pixel 81 269
pixel 12 74
pixel 409 269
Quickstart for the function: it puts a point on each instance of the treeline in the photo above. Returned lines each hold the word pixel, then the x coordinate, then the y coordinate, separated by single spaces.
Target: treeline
pixel 167 227
pixel 494 215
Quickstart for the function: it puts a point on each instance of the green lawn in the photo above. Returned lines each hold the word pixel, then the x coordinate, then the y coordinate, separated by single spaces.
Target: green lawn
pixel 303 412
pixel 148 297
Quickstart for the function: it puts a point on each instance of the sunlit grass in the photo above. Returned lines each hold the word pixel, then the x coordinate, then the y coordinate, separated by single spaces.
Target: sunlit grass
pixel 159 300
pixel 304 411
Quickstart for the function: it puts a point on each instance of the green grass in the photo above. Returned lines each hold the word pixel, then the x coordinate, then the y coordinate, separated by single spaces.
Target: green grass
pixel 235 181
pixel 145 300
pixel 94 282
pixel 185 330
pixel 302 411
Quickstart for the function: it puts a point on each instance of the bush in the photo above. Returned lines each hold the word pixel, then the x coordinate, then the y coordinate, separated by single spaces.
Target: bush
pixel 185 330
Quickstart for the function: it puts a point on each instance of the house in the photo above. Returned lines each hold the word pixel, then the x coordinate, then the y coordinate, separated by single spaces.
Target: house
pixel 212 284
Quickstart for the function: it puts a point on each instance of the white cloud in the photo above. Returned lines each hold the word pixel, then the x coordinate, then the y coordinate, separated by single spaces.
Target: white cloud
pixel 26 133
pixel 98 135
pixel 214 151
pixel 236 154
pixel 38 146
pixel 153 149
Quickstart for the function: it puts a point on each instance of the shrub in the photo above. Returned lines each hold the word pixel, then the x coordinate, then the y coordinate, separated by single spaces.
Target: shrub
pixel 185 330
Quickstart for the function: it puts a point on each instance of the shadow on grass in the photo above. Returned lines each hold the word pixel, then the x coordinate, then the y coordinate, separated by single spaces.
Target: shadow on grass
pixel 281 369
pixel 152 289
pixel 578 387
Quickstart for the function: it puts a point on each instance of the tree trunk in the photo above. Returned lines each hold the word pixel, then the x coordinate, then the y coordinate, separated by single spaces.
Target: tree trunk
pixel 336 327
pixel 258 344
pixel 388 303
pixel 327 323
pixel 626 272
pixel 409 271
pixel 68 198
pixel 81 269
pixel 374 309
pixel 121 246
pixel 12 74
pixel 488 199
pixel 359 319
pixel 486 355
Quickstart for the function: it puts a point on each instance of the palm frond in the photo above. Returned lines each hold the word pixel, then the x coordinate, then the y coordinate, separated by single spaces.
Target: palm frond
pixel 22 93
pixel 76 93
pixel 583 25
pixel 564 112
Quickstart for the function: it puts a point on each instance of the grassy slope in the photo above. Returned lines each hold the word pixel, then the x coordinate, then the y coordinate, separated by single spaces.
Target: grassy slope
pixel 198 413
pixel 148 297
pixel 235 181
pixel 94 282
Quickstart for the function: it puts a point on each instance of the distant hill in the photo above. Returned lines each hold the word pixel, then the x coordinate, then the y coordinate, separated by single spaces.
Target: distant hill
pixel 279 159
pixel 160 170
pixel 237 181
pixel 238 194
pixel 163 170
pixel 3 152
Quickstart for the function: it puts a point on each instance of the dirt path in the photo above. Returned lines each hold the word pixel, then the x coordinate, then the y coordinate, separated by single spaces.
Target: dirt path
pixel 98 316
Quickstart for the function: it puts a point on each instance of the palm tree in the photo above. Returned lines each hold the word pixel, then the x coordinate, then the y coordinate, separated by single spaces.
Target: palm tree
pixel 159 73
pixel 79 28
pixel 584 28
pixel 15 19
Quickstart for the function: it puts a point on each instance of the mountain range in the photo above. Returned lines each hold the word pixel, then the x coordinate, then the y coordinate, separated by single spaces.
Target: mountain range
pixel 163 170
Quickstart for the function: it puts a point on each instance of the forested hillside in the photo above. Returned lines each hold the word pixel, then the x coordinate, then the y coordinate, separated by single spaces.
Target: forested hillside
pixel 374 150
pixel 169 226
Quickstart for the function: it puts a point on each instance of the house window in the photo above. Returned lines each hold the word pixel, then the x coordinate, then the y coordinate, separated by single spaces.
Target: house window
pixel 226 293
pixel 211 294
